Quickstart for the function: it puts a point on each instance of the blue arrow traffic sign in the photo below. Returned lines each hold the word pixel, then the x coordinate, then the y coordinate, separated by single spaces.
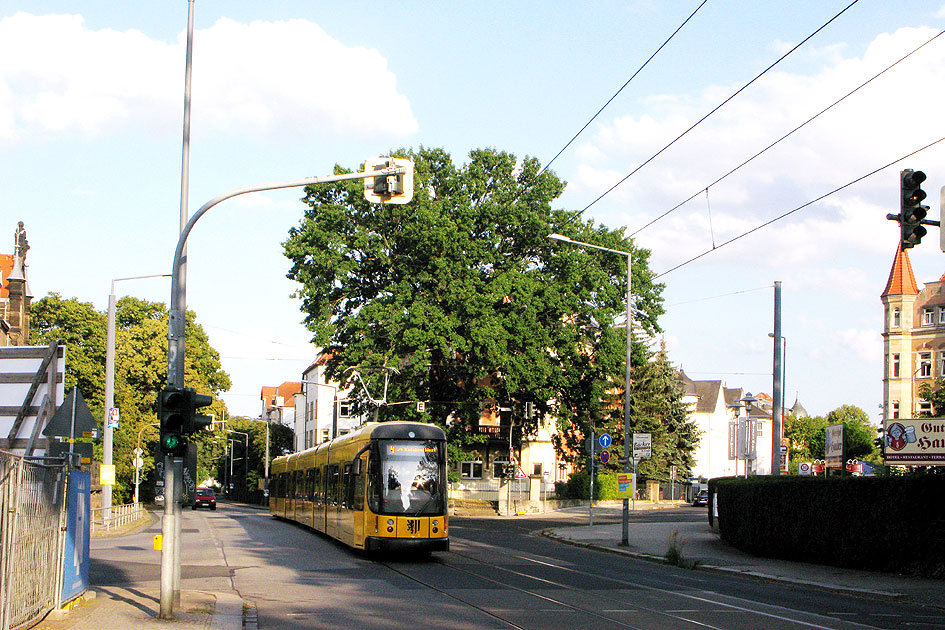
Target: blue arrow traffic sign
pixel 605 440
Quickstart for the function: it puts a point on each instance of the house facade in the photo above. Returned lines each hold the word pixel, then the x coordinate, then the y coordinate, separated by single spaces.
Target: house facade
pixel 278 406
pixel 913 338
pixel 714 409
pixel 325 409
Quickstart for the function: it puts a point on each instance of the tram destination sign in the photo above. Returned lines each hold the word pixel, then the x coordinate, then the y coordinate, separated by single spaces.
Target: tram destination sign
pixel 914 441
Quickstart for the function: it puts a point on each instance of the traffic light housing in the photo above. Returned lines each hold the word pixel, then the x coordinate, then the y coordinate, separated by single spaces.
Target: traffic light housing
pixel 196 421
pixel 912 212
pixel 172 416
pixel 396 188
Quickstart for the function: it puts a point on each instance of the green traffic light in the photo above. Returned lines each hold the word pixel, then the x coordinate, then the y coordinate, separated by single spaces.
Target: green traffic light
pixel 170 442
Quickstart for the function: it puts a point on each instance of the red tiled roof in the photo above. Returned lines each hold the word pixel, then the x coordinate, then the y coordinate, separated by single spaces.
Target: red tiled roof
pixel 6 266
pixel 901 278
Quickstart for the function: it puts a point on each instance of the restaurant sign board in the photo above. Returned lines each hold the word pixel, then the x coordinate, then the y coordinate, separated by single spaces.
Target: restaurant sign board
pixel 914 441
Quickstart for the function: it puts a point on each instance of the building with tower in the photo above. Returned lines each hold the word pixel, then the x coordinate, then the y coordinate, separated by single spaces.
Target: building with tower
pixel 913 339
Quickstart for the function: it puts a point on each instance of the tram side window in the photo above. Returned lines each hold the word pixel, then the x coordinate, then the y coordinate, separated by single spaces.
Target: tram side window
pixel 359 489
pixel 318 494
pixel 331 483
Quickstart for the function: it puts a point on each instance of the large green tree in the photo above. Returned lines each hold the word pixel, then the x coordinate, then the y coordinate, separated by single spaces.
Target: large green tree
pixel 140 370
pixel 464 295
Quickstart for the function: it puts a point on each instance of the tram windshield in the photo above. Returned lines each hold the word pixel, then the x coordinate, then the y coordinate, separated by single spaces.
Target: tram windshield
pixel 410 476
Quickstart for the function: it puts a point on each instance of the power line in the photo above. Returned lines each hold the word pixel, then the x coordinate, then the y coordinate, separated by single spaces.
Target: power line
pixel 640 69
pixel 717 107
pixel 715 297
pixel 785 136
pixel 801 207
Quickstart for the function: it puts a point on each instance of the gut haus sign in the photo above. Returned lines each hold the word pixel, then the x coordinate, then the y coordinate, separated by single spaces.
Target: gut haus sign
pixel 915 441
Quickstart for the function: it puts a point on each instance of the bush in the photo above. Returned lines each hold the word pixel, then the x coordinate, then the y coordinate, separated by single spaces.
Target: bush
pixel 578 486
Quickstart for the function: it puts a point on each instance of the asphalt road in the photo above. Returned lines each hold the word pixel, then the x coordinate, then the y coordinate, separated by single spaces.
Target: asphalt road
pixel 499 573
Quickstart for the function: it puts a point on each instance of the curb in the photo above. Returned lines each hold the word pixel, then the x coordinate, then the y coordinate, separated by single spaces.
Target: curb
pixel 834 588
pixel 228 612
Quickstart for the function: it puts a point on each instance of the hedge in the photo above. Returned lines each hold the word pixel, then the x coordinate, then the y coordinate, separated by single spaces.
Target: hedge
pixel 894 524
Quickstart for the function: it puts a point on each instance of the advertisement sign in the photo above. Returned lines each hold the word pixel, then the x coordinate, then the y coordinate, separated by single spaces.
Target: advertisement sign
pixel 625 485
pixel 834 446
pixel 642 446
pixel 915 442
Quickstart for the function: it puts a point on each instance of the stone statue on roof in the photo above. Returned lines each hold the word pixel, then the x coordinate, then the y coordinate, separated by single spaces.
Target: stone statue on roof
pixel 20 244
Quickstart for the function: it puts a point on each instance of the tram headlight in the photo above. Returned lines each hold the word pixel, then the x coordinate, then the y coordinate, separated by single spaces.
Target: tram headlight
pixel 390 525
pixel 436 526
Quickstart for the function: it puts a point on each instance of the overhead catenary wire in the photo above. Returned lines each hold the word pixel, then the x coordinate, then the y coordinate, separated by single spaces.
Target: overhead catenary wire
pixel 801 207
pixel 788 134
pixel 640 69
pixel 717 108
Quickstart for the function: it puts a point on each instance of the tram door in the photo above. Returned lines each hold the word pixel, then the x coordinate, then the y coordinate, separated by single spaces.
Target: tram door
pixel 358 479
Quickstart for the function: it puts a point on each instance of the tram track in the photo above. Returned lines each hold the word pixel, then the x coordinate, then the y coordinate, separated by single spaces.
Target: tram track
pixel 606 608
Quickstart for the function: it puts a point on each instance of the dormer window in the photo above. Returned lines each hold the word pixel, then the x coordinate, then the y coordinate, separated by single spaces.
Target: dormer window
pixel 941 315
pixel 928 316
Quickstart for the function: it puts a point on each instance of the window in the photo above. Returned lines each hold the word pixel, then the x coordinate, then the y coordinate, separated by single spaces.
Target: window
pixel 928 317
pixel 344 409
pixel 536 469
pixel 925 364
pixel 941 363
pixel 498 467
pixel 925 407
pixel 895 410
pixel 470 470
pixel 897 318
pixel 326 434
pixel 941 315
pixel 895 366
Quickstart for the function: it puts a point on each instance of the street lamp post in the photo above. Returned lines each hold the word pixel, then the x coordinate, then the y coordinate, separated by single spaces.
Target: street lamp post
pixel 245 456
pixel 107 456
pixel 138 454
pixel 625 528
pixel 266 461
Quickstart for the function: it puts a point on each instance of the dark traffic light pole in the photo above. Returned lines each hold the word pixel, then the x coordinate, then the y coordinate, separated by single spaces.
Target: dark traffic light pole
pixel 170 548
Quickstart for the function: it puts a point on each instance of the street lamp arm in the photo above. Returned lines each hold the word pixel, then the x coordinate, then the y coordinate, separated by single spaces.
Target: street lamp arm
pixel 175 334
pixel 568 239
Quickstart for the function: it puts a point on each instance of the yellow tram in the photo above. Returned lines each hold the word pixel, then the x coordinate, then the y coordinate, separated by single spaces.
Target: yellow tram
pixel 379 488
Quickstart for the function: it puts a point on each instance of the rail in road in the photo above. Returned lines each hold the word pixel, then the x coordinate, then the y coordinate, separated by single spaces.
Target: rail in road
pixel 524 591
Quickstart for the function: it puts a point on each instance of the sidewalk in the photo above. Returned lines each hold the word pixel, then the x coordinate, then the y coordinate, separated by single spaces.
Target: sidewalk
pixel 207 603
pixel 700 548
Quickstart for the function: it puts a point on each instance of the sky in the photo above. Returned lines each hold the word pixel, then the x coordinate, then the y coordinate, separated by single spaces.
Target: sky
pixel 91 116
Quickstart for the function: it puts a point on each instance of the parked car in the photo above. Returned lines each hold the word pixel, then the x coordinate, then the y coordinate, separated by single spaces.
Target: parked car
pixel 205 497
pixel 701 498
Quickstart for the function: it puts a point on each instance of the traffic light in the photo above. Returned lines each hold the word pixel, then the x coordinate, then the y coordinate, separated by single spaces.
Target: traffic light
pixel 395 188
pixel 172 415
pixel 912 211
pixel 194 421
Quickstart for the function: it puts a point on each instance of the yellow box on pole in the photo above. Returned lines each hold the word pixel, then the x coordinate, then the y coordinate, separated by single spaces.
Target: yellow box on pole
pixel 107 474
pixel 158 542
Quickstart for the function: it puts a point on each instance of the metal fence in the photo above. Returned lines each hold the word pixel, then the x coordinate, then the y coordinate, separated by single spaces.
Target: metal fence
pixel 105 519
pixel 32 519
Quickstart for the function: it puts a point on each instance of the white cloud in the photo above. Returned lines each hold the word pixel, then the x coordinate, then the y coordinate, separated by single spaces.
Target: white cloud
pixel 263 77
pixel 895 114
pixel 865 344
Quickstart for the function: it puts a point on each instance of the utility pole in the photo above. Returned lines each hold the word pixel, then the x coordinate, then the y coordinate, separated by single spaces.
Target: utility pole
pixel 777 404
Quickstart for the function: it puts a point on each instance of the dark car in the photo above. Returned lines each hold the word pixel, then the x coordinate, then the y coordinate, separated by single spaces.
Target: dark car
pixel 701 498
pixel 205 497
